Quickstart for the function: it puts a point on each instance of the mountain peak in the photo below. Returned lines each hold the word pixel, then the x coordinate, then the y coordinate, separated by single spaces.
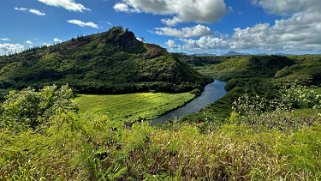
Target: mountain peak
pixel 231 53
pixel 123 38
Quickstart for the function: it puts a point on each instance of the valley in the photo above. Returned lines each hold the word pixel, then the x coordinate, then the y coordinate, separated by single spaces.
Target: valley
pixel 80 110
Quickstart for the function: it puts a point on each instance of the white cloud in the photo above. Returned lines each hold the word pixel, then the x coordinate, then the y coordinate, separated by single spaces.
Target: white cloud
pixel 205 43
pixel 33 11
pixel 37 12
pixel 121 7
pixel 285 7
pixel 4 39
pixel 82 23
pixel 57 40
pixel 20 9
pixel 69 5
pixel 299 31
pixel 29 42
pixel 205 11
pixel 171 44
pixel 10 48
pixel 195 31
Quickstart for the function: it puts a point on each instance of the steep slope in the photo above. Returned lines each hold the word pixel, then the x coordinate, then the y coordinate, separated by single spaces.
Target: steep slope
pixel 110 62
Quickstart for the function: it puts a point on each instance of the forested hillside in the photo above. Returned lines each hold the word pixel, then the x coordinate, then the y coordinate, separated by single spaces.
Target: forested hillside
pixel 254 75
pixel 109 62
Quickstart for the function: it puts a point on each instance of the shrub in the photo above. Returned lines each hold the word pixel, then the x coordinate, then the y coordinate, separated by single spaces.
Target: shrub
pixel 278 112
pixel 29 108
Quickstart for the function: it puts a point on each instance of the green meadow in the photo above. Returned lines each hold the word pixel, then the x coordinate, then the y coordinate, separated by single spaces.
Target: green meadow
pixel 131 106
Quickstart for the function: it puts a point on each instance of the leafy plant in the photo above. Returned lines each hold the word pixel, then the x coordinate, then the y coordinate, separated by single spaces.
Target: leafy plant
pixel 28 108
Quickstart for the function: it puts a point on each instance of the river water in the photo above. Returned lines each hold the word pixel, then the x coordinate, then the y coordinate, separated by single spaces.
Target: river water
pixel 212 92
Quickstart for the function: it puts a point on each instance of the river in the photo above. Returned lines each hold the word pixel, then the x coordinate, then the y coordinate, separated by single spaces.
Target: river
pixel 211 93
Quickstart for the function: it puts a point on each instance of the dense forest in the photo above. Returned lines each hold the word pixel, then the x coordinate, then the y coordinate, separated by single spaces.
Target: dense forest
pixel 267 126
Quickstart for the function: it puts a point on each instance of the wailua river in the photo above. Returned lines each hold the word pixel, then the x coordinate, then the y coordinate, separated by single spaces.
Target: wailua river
pixel 212 92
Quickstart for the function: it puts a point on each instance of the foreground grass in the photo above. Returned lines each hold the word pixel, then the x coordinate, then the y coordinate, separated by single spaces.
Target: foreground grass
pixel 61 144
pixel 132 106
pixel 75 148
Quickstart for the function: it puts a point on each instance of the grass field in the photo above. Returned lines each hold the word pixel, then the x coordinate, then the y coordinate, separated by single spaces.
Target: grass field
pixel 132 106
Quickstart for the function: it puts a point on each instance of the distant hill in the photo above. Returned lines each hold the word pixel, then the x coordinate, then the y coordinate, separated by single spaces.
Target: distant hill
pixel 204 54
pixel 109 62
pixel 303 69
pixel 234 53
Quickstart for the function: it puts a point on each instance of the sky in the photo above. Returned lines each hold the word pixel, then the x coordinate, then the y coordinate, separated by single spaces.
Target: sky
pixel 189 26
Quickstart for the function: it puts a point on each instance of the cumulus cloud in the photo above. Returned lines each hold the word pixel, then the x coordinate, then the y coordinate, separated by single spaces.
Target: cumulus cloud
pixel 57 40
pixel 33 11
pixel 171 44
pixel 69 5
pixel 121 7
pixel 83 24
pixel 206 43
pixel 195 31
pixel 286 7
pixel 205 11
pixel 287 34
pixel 6 48
pixel 298 31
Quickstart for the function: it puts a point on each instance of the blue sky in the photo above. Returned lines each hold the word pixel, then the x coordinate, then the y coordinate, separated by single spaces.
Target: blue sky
pixel 190 26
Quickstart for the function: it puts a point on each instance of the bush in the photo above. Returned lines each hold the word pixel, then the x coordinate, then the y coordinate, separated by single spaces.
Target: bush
pixel 29 108
pixel 289 97
pixel 279 111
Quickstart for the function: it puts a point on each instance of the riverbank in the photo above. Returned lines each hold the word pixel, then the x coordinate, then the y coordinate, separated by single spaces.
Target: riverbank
pixel 211 93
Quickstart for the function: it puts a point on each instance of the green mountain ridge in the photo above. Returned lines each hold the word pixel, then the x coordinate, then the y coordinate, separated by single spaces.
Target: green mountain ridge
pixel 109 62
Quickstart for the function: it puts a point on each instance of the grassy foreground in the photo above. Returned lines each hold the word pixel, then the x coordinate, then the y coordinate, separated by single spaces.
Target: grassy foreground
pixel 74 148
pixel 42 137
pixel 131 106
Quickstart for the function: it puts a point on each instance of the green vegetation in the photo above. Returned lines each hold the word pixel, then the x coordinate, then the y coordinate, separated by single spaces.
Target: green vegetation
pixel 267 127
pixel 253 75
pixel 69 146
pixel 247 67
pixel 110 62
pixel 306 70
pixel 133 106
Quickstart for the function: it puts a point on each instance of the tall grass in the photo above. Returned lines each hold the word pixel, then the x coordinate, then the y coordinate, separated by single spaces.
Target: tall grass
pixel 75 148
